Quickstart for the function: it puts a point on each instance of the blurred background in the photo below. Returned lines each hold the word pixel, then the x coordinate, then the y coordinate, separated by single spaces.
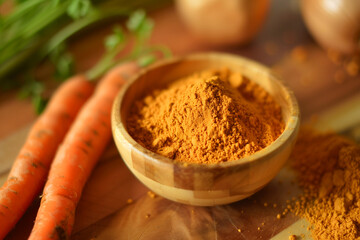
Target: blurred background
pixel 312 45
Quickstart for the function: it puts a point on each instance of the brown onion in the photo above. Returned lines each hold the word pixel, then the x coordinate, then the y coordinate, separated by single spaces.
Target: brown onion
pixel 335 24
pixel 224 22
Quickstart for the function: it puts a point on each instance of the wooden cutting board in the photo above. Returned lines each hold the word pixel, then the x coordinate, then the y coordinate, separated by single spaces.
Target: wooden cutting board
pixel 115 205
pixel 104 211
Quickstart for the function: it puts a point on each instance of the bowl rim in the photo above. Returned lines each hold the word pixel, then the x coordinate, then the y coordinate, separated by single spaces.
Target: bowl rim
pixel 290 131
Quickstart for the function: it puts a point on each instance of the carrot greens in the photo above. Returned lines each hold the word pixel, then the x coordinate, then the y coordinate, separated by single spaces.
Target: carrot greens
pixel 36 30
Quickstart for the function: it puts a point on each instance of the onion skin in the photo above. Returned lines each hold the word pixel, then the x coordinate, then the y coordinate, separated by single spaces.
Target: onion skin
pixel 335 24
pixel 224 22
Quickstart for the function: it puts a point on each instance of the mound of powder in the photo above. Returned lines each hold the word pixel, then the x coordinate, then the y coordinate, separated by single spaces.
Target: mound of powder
pixel 328 169
pixel 208 117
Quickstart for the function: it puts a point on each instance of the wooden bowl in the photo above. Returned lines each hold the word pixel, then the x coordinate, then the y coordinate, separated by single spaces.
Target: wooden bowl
pixel 204 184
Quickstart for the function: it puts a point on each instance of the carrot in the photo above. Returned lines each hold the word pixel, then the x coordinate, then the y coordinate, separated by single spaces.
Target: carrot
pixel 75 159
pixel 29 171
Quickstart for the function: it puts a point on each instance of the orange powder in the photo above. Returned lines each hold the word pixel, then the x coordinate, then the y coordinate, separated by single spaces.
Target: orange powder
pixel 328 169
pixel 208 117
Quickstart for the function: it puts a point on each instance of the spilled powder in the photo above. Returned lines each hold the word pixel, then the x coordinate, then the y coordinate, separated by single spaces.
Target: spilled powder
pixel 208 117
pixel 328 170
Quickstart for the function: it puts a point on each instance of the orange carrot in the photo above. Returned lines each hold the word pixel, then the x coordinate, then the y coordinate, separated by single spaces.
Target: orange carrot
pixel 29 171
pixel 75 159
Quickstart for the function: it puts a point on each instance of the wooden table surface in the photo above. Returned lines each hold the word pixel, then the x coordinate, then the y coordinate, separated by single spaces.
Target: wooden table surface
pixel 323 89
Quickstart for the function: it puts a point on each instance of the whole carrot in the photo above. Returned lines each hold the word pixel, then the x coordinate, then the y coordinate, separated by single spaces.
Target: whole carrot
pixel 76 158
pixel 29 171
